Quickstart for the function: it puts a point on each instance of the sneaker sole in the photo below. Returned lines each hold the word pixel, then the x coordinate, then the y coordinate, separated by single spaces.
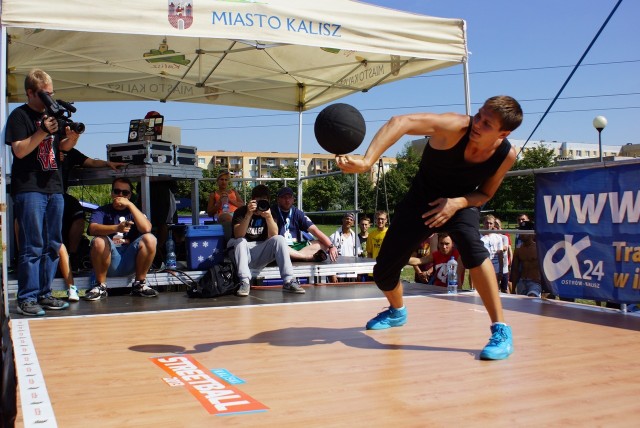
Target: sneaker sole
pixel 93 299
pixel 21 312
pixel 294 291
pixel 55 308
pixel 144 295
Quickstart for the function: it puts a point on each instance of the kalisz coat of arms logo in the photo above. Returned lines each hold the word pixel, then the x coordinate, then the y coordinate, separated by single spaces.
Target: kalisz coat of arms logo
pixel 181 14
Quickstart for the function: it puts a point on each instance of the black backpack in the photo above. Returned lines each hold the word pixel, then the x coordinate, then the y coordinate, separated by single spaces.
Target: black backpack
pixel 221 279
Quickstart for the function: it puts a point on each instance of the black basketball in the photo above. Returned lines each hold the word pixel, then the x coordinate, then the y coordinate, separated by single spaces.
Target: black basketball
pixel 340 128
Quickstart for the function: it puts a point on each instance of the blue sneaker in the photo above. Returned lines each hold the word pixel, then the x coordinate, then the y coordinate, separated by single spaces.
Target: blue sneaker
pixel 500 344
pixel 389 318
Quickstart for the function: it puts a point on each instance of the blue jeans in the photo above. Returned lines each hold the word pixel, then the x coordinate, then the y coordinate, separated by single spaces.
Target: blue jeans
pixel 39 217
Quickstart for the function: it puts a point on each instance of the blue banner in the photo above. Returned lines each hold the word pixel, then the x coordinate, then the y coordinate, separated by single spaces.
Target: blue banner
pixel 587 232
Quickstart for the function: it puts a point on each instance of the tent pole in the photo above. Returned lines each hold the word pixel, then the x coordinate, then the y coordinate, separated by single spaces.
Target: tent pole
pixel 299 158
pixel 4 108
pixel 467 92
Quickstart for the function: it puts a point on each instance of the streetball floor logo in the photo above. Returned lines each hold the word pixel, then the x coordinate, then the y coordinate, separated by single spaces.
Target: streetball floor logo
pixel 570 261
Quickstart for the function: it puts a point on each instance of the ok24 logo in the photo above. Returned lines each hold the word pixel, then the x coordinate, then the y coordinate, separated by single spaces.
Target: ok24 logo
pixel 554 270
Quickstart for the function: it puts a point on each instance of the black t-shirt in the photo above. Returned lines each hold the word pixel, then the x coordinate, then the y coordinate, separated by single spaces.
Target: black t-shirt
pixel 257 229
pixel 39 171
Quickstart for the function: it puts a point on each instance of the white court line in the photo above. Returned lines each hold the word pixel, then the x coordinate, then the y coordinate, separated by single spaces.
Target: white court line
pixel 34 397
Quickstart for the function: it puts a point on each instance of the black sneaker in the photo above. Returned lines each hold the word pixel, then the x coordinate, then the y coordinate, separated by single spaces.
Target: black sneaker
pixel 30 308
pixel 50 302
pixel 140 288
pixel 97 292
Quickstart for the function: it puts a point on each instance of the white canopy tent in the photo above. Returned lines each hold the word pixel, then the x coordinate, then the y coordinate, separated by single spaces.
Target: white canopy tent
pixel 273 54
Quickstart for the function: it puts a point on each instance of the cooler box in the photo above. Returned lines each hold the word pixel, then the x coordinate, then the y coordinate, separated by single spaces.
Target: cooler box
pixel 205 246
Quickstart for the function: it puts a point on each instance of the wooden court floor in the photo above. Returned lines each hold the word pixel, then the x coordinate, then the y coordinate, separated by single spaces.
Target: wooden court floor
pixel 312 364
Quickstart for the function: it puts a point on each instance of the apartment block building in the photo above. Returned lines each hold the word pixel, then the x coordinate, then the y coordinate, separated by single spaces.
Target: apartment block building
pixel 257 165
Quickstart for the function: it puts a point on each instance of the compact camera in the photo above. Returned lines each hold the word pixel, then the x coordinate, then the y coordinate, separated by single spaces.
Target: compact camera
pixel 263 205
pixel 62 111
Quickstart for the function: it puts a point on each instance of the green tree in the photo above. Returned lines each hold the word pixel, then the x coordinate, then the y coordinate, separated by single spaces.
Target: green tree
pixel 398 179
pixel 288 171
pixel 518 193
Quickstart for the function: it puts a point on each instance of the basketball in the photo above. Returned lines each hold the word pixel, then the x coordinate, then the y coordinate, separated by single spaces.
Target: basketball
pixel 340 128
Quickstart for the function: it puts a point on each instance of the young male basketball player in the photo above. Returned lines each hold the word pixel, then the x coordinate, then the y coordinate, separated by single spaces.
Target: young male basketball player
pixel 462 166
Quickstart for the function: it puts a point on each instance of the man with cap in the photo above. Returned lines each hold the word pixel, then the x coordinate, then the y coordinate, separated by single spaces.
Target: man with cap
pixel 306 242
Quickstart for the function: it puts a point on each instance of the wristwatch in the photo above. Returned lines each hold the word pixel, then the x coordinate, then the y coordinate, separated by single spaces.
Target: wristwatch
pixel 331 246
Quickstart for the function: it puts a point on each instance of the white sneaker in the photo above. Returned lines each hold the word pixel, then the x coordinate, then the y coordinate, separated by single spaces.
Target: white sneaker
pixel 72 294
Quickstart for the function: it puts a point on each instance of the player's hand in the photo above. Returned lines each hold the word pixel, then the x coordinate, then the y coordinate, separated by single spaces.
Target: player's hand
pixel 443 209
pixel 351 165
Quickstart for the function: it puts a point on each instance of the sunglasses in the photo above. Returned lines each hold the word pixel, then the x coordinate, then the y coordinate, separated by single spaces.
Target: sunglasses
pixel 122 192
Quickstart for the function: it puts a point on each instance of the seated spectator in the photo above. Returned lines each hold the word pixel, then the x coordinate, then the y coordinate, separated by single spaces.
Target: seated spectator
pixel 439 259
pixel 256 243
pixel 374 241
pixel 423 271
pixel 122 243
pixel 306 242
pixel 525 269
pixel 365 223
pixel 346 240
pixel 224 195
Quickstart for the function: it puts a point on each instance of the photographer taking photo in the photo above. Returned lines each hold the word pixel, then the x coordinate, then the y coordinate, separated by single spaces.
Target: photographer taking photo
pixel 36 187
pixel 256 243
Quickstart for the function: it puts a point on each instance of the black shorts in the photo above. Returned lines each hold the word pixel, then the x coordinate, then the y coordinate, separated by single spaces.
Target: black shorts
pixel 407 231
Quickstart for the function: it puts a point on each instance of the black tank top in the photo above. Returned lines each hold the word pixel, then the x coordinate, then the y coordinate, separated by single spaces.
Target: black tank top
pixel 446 174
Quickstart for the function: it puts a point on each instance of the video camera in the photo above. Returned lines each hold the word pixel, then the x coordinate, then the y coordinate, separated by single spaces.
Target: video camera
pixel 62 111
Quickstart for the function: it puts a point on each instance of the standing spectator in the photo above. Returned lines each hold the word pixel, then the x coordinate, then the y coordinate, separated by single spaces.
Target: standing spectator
pixel 36 188
pixel 122 243
pixel 507 256
pixel 306 242
pixel 495 246
pixel 346 240
pixel 376 236
pixel 525 270
pixel 365 223
pixel 439 258
pixel 521 218
pixel 256 243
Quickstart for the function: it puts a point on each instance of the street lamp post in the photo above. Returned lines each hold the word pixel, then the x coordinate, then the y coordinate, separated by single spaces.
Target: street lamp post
pixel 600 122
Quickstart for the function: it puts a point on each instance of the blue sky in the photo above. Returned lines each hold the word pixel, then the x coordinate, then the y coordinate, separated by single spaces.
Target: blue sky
pixel 525 49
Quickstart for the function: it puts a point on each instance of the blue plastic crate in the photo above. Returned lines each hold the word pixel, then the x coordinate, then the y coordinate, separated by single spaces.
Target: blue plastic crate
pixel 205 246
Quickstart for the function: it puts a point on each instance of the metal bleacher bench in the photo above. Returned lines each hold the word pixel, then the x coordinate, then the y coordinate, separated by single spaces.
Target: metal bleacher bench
pixel 314 272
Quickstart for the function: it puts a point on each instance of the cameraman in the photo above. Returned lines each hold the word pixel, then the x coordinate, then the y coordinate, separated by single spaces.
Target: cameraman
pixel 36 188
pixel 257 243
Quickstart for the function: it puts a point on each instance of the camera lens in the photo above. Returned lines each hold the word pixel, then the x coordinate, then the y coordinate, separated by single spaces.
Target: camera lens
pixel 263 205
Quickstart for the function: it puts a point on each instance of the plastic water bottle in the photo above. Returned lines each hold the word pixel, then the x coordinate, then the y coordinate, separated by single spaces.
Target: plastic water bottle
pixel 225 204
pixel 171 262
pixel 118 239
pixel 452 276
